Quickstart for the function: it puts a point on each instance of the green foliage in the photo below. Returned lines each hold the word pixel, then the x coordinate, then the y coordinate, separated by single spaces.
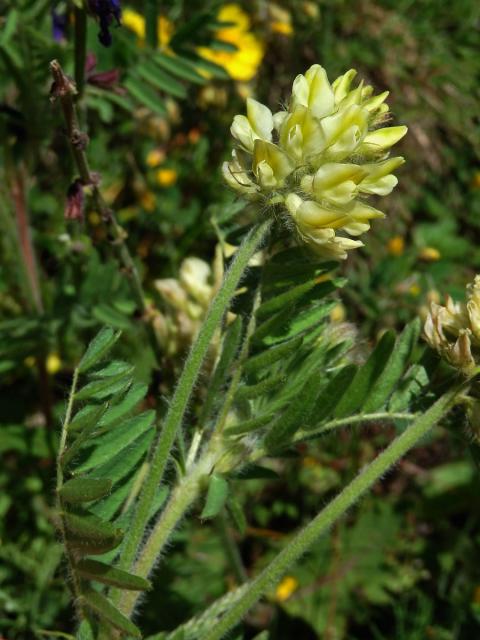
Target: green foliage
pixel 216 497
pixel 281 381
pixel 297 376
pixel 91 454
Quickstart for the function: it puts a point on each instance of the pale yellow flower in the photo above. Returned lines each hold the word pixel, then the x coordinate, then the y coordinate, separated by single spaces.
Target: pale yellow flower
pixel 454 329
pixel 187 301
pixel 155 157
pixel 311 9
pixel 319 158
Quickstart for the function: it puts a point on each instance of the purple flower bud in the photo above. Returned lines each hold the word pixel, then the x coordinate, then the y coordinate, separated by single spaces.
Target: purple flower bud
pixel 102 79
pixel 106 12
pixel 59 25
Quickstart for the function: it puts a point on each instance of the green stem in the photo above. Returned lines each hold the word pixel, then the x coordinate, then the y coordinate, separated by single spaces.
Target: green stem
pixel 64 91
pixel 80 39
pixel 186 384
pixel 346 422
pixel 337 507
pixel 304 436
pixel 61 450
pixel 151 19
pixel 182 498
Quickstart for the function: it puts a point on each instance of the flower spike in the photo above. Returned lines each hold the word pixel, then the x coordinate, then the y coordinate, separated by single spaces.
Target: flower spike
pixel 319 159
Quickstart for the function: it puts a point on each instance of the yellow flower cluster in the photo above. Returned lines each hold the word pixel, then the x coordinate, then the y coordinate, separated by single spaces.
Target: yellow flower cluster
pixel 241 64
pixel 319 159
pixel 454 329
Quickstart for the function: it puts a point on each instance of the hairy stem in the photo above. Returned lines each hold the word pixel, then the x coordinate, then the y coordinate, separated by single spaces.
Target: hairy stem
pixel 304 436
pixel 65 91
pixel 337 508
pixel 182 498
pixel 181 397
pixel 61 450
pixel 346 422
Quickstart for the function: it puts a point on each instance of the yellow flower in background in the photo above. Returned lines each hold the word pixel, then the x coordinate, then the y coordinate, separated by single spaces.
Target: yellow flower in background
pixel 165 31
pixel 53 364
pixel 280 20
pixel 396 246
pixel 147 200
pixel 338 313
pixel 286 588
pixel 166 177
pixel 243 63
pixel 136 22
pixel 429 254
pixel 154 158
pixel 285 28
pixel 311 9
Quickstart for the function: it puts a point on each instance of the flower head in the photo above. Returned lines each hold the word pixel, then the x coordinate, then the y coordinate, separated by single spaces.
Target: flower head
pixel 321 158
pixel 454 329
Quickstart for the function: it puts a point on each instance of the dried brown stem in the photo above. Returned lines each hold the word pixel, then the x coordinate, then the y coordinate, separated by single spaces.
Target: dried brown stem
pixel 64 91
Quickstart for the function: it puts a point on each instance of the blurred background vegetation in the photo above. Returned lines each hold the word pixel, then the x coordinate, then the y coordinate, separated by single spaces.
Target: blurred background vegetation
pixel 405 564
